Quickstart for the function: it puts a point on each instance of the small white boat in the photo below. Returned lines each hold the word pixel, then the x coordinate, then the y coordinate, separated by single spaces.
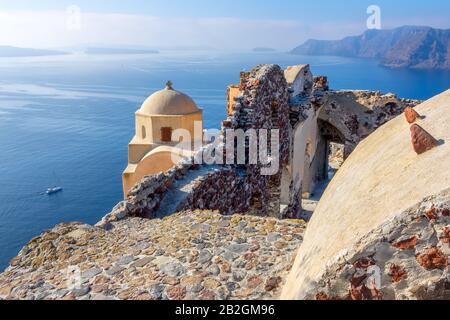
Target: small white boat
pixel 53 190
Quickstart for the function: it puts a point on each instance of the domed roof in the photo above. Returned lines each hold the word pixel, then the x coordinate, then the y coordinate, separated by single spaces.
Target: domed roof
pixel 168 102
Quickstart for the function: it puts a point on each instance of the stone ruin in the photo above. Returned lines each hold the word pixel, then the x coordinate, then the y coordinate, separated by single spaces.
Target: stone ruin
pixel 311 120
pixel 381 229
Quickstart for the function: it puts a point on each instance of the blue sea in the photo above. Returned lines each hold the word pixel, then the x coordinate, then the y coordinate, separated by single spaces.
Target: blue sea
pixel 67 121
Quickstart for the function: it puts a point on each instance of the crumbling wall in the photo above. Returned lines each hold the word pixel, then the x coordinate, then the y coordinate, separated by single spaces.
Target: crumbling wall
pixel 384 212
pixel 263 103
pixel 224 191
pixel 145 198
pixel 264 100
pixel 357 113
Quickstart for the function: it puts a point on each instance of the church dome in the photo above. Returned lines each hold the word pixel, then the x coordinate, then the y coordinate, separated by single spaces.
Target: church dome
pixel 169 102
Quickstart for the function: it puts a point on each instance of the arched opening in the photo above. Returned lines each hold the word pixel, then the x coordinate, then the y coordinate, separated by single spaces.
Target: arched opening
pixel 333 143
pixel 143 132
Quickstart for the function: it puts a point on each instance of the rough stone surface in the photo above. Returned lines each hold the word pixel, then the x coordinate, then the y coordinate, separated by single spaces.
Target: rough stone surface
pixel 380 229
pixel 178 260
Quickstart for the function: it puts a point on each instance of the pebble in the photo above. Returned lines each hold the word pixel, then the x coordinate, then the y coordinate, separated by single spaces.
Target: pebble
pixel 88 274
pixel 173 269
pixel 238 248
pixel 204 257
pixel 156 291
pixel 114 270
pixel 81 291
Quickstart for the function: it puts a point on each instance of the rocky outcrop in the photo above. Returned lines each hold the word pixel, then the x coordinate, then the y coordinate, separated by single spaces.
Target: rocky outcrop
pixel 380 230
pixel 200 255
pixel 409 46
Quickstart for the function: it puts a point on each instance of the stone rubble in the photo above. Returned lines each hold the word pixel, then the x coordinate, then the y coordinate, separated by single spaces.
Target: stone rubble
pixel 189 255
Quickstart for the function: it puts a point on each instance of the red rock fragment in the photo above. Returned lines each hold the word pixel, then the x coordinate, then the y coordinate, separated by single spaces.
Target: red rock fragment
pixel 176 293
pixel 422 141
pixel 207 295
pixel 272 283
pixel 431 214
pixel 411 115
pixel 324 297
pixel 446 212
pixel 359 290
pixel 254 282
pixel 406 244
pixel 397 273
pixel 445 238
pixel 432 258
pixel 364 263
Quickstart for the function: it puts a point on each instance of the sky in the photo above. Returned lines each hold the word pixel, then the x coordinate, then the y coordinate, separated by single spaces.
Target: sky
pixel 222 24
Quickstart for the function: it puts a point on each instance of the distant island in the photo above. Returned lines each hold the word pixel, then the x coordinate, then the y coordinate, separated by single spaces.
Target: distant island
pixel 263 49
pixel 119 51
pixel 10 52
pixel 404 47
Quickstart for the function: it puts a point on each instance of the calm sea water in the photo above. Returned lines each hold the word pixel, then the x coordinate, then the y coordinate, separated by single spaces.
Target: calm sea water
pixel 67 121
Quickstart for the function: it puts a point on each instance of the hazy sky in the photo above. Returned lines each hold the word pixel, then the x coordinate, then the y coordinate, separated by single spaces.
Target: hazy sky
pixel 228 24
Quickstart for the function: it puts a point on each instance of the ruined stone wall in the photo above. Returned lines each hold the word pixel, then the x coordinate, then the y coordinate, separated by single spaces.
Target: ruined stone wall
pixel 224 191
pixel 145 198
pixel 357 113
pixel 263 100
pixel 385 211
pixel 263 103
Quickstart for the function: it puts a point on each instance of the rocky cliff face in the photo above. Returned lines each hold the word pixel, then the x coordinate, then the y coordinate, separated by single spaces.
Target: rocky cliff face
pixel 411 47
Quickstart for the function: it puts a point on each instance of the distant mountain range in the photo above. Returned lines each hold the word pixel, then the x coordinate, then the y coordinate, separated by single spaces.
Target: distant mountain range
pixel 8 51
pixel 119 51
pixel 409 46
pixel 264 49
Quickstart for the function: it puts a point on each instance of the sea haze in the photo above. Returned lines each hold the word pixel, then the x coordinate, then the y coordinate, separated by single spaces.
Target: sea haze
pixel 67 120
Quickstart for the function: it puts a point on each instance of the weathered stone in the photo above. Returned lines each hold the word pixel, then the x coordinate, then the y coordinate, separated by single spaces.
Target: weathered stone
pixel 207 295
pixel 411 115
pixel 238 248
pixel 204 257
pixel 173 269
pixel 432 258
pixel 211 283
pixel 142 262
pixel 239 275
pixel 89 274
pixel 254 282
pixel 81 291
pixel 272 283
pixel 176 293
pixel 406 244
pixel 114 270
pixel 422 141
pixel 397 273
pixel 156 291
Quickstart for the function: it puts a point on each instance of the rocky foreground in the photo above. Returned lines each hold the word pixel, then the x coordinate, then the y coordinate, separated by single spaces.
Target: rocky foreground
pixel 189 255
